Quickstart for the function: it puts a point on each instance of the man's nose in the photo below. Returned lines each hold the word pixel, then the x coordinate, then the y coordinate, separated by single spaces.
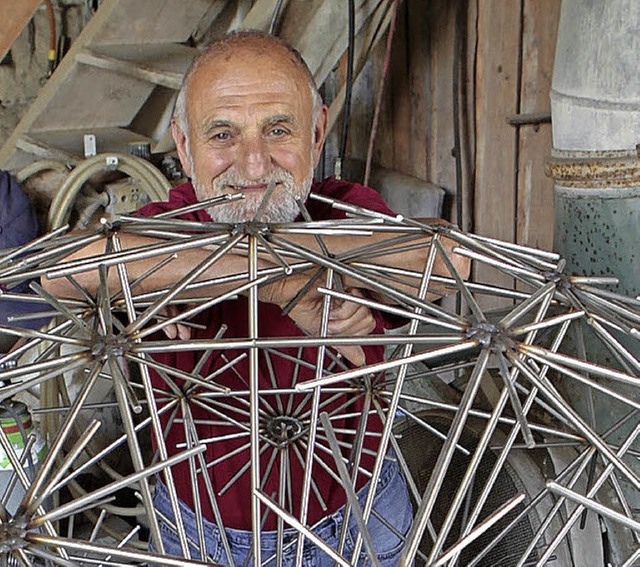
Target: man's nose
pixel 255 160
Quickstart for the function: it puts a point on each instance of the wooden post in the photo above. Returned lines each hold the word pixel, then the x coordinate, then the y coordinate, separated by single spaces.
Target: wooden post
pixel 496 141
pixel 535 191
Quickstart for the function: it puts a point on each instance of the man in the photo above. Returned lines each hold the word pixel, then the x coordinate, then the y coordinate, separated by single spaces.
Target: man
pixel 249 120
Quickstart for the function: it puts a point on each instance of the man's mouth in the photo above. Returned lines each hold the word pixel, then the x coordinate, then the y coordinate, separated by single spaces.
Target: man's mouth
pixel 249 188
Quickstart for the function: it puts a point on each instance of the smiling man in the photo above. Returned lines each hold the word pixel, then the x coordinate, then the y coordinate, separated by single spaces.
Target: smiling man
pixel 249 120
pixel 248 116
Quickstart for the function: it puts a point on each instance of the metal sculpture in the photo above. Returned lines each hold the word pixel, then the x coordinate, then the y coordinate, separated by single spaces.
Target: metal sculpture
pixel 505 371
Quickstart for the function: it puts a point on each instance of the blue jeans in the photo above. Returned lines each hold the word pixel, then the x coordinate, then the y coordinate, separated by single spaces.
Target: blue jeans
pixel 391 503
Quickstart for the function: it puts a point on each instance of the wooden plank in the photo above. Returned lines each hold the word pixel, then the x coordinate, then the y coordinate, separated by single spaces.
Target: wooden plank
pixel 496 98
pixel 398 89
pixel 384 148
pixel 441 21
pixel 366 41
pixel 419 86
pixel 535 190
pixel 151 21
pixel 43 151
pixel 70 141
pixel 161 64
pixel 93 98
pixel 14 15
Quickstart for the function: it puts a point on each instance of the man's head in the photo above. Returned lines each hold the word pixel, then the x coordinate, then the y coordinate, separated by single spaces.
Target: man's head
pixel 249 115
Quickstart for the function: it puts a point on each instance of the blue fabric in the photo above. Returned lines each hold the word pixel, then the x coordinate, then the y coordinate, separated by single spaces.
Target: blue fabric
pixel 18 221
pixel 391 502
pixel 18 225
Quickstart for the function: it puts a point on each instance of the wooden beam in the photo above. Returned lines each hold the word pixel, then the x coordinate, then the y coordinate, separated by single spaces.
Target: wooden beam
pixel 497 82
pixel 14 16
pixel 535 190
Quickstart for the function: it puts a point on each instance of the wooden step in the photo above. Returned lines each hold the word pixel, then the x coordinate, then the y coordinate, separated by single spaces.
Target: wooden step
pixel 68 144
pixel 161 64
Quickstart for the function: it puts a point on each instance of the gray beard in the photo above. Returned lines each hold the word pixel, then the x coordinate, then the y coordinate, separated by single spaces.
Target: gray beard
pixel 281 207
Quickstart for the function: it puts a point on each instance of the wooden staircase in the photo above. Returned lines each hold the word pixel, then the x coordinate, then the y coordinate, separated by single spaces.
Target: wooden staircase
pixel 120 78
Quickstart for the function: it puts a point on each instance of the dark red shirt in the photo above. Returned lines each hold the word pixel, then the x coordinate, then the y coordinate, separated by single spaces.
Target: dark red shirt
pixel 230 473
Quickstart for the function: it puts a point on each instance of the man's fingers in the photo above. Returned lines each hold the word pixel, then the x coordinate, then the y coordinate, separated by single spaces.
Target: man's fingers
pixel 171 331
pixel 361 322
pixel 175 330
pixel 354 354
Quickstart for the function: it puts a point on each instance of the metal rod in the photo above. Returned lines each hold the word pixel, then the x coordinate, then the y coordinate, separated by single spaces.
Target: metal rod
pixel 121 554
pixel 593 505
pixel 482 528
pixel 293 522
pixel 352 497
pixel 315 408
pixel 444 458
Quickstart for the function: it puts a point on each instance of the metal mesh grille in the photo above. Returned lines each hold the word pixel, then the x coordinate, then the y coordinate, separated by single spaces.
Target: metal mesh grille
pixel 421 449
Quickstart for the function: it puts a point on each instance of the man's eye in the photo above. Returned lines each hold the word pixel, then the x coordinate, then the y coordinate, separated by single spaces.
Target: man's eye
pixel 221 136
pixel 278 132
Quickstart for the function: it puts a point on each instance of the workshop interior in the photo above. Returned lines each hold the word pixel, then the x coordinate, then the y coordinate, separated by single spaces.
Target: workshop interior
pixel 509 397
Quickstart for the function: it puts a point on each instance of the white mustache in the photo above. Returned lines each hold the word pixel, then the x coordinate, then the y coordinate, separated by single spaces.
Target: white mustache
pixel 233 179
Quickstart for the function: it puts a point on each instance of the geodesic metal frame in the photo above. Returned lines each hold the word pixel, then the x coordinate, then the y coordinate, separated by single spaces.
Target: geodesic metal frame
pixel 522 353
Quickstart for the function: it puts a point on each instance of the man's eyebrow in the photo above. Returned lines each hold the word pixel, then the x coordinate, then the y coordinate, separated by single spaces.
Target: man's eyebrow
pixel 213 124
pixel 281 119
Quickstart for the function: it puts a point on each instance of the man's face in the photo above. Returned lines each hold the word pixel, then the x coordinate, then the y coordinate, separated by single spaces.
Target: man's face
pixel 251 125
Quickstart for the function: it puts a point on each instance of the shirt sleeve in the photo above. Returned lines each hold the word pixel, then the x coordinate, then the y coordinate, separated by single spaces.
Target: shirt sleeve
pixel 349 192
pixel 179 196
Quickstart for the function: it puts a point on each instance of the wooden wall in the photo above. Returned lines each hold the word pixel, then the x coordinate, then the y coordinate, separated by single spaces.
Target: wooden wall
pixel 507 62
pixel 505 72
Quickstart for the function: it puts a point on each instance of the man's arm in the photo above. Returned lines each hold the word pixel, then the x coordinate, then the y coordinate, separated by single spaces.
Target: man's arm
pixel 346 318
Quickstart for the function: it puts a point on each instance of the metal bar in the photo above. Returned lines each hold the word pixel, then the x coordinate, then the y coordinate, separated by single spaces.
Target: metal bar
pixel 383 366
pixel 577 421
pixel 482 528
pixel 444 458
pixel 352 497
pixel 134 447
pixel 293 522
pixel 109 489
pixel 593 505
pixel 575 514
pixel 122 554
pixel 152 347
pixel 176 289
pixel 254 392
pixel 544 356
pixel 313 419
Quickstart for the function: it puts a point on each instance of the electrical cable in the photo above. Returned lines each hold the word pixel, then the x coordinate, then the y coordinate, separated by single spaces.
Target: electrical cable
pixel 39 166
pixel 152 181
pixel 275 17
pixel 461 12
pixel 376 112
pixel 52 39
pixel 349 82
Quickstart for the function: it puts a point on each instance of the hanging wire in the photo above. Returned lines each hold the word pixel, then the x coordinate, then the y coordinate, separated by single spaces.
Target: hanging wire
pixel 376 112
pixel 461 12
pixel 51 55
pixel 349 87
pixel 275 17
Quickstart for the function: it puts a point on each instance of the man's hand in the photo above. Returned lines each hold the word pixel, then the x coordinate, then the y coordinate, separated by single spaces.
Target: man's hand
pixel 175 330
pixel 346 318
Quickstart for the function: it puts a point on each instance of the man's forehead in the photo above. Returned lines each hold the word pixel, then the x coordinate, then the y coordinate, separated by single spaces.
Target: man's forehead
pixel 241 82
pixel 251 58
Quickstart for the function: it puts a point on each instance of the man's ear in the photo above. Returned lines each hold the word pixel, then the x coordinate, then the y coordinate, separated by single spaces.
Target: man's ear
pixel 319 133
pixel 182 146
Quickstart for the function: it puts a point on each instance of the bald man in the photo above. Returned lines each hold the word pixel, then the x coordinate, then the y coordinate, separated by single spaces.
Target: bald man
pixel 249 117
